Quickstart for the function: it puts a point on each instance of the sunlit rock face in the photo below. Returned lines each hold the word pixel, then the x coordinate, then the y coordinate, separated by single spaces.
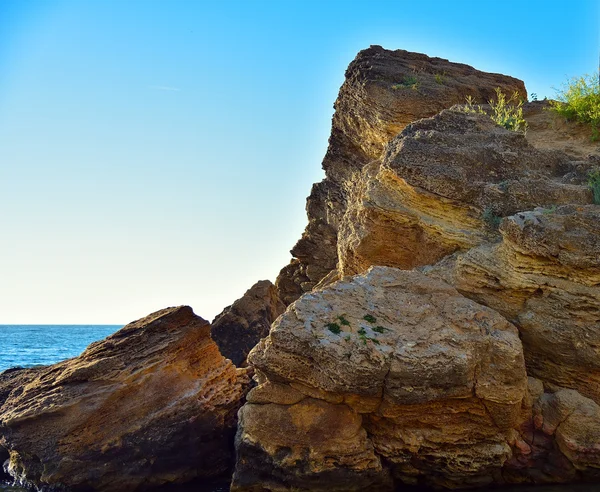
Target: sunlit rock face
pixel 153 404
pixel 443 186
pixel 385 374
pixel 383 92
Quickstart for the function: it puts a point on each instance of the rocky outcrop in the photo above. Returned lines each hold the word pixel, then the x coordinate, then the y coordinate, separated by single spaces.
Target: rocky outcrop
pixel 387 374
pixel 153 404
pixel 240 326
pixel 383 92
pixel 544 276
pixel 443 185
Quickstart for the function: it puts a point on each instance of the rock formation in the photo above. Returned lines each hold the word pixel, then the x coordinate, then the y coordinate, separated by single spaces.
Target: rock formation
pixel 390 365
pixel 443 185
pixel 383 92
pixel 153 404
pixel 448 323
pixel 240 326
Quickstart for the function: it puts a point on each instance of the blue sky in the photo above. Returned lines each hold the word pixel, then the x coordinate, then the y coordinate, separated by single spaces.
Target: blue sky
pixel 155 153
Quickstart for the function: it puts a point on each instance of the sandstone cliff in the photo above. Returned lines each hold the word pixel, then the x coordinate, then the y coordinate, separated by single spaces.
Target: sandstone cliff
pixel 383 92
pixel 377 376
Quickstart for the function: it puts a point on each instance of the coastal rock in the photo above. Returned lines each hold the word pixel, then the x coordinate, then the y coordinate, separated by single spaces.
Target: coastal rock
pixel 443 185
pixel 155 403
pixel 386 373
pixel 240 326
pixel 383 92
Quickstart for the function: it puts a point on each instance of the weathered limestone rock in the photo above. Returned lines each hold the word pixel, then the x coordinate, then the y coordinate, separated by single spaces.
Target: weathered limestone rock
pixel 545 277
pixel 383 92
pixel 153 404
pixel 386 372
pixel 240 326
pixel 443 185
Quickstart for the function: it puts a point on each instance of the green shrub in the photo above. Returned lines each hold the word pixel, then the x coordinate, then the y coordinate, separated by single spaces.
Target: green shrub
pixel 594 182
pixel 579 100
pixel 508 112
pixel 343 320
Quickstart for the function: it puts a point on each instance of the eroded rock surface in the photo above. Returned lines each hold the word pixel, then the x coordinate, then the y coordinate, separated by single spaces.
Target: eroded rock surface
pixel 153 404
pixel 240 326
pixel 383 92
pixel 386 373
pixel 443 185
pixel 545 277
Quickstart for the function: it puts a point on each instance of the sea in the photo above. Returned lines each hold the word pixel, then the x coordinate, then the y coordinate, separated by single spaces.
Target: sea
pixel 34 345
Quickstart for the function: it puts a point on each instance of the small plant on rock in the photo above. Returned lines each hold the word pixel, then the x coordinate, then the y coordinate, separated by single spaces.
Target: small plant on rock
pixel 333 328
pixel 508 112
pixel 491 219
pixel 343 320
pixel 408 82
pixel 370 318
pixel 594 184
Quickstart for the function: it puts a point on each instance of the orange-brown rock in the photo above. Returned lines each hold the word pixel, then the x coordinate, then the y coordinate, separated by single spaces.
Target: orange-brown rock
pixel 383 92
pixel 443 185
pixel 390 372
pixel 153 404
pixel 240 326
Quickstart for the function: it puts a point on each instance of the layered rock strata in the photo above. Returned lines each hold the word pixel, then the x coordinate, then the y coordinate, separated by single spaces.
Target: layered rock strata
pixel 153 404
pixel 383 92
pixel 544 276
pixel 387 374
pixel 240 326
pixel 443 185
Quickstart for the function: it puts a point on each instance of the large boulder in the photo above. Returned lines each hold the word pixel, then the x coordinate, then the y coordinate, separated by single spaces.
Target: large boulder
pixel 443 185
pixel 383 92
pixel 153 404
pixel 390 373
pixel 240 326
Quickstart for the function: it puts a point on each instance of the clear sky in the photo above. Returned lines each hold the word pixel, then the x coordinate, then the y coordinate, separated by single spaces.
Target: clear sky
pixel 156 153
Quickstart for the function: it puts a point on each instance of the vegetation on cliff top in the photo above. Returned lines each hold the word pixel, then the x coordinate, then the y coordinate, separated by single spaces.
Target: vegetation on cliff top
pixel 579 100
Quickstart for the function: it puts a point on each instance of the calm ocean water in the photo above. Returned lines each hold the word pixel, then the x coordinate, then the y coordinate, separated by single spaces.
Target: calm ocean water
pixel 31 345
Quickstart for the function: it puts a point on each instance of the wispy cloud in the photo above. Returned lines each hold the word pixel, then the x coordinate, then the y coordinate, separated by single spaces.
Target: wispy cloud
pixel 165 88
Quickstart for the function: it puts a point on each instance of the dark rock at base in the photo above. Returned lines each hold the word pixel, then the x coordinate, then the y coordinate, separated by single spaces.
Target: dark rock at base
pixel 240 326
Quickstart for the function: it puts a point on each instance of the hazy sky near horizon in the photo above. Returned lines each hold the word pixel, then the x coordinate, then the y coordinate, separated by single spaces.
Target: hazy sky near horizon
pixel 156 153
